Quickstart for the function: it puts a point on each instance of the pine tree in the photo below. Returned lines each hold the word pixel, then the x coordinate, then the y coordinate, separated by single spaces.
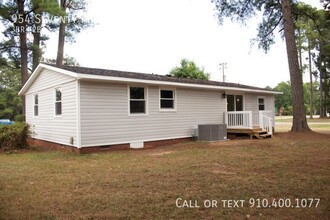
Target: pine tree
pixel 275 13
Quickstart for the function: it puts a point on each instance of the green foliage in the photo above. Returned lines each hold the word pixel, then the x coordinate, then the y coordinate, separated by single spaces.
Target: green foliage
pixel 34 11
pixel 14 136
pixel 313 34
pixel 73 27
pixel 72 9
pixel 24 38
pixel 284 101
pixel 19 118
pixel 188 69
pixel 69 61
pixel 11 19
pixel 241 11
pixel 10 102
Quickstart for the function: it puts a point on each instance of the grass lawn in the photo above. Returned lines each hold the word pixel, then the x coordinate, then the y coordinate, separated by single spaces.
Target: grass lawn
pixel 289 119
pixel 284 123
pixel 145 184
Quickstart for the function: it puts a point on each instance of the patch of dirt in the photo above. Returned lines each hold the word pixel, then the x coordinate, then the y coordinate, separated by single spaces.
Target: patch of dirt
pixel 160 153
pixel 4 150
pixel 222 169
pixel 235 142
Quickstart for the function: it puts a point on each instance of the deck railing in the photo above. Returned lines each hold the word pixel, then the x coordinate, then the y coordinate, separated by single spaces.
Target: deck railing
pixel 266 123
pixel 239 119
pixel 248 120
pixel 256 117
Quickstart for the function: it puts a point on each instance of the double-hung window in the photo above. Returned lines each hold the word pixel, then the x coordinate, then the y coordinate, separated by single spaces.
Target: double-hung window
pixel 167 99
pixel 137 100
pixel 36 105
pixel 58 102
pixel 261 104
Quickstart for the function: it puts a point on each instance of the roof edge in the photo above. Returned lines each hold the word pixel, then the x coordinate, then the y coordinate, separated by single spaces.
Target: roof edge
pixel 84 76
pixel 36 73
pixel 167 83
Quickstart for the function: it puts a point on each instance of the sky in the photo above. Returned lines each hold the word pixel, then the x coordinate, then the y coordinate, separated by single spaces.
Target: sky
pixel 152 36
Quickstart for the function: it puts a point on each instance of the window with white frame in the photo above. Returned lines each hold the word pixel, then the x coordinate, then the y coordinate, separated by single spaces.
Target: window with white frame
pixel 58 102
pixel 167 99
pixel 137 100
pixel 261 104
pixel 36 105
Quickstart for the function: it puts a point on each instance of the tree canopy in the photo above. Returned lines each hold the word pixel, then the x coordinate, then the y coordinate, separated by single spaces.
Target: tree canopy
pixel 313 38
pixel 188 69
pixel 10 84
pixel 26 24
pixel 283 102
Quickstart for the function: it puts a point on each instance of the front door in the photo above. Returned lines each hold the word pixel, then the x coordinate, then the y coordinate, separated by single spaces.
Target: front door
pixel 234 103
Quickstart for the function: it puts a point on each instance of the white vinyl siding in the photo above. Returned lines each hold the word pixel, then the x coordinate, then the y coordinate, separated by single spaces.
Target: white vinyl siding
pixel 46 126
pixel 252 102
pixel 105 120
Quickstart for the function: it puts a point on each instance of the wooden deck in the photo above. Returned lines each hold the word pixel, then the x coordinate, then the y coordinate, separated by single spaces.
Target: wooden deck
pixel 256 124
pixel 255 132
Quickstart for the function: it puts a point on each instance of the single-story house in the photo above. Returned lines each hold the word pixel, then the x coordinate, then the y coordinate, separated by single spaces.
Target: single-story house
pixel 89 109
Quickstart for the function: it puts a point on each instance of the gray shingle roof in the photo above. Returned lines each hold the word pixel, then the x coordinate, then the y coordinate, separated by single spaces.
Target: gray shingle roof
pixel 153 77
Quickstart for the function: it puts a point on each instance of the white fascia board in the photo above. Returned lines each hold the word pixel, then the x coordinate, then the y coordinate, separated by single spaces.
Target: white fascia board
pixel 30 80
pixel 36 73
pixel 167 83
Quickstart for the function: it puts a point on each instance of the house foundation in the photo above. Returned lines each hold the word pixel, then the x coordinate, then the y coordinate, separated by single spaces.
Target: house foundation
pixel 47 145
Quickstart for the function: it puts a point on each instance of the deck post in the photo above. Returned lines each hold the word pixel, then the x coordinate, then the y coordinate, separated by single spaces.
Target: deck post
pixel 261 119
pixel 250 120
pixel 226 118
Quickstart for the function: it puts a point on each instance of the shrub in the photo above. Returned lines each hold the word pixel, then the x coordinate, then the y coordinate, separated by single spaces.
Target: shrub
pixel 19 118
pixel 14 136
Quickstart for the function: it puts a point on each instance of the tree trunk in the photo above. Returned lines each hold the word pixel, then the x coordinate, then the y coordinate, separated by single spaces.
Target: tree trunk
pixel 61 37
pixel 300 50
pixel 322 99
pixel 299 122
pixel 323 70
pixel 311 106
pixel 36 55
pixel 23 48
pixel 36 46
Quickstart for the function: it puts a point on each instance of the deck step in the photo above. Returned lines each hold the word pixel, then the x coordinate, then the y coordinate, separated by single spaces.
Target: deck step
pixel 255 132
pixel 265 135
pixel 262 134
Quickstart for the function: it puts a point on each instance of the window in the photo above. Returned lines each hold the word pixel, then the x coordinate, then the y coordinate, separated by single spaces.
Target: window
pixel 230 103
pixel 58 102
pixel 261 103
pixel 137 101
pixel 36 105
pixel 167 99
